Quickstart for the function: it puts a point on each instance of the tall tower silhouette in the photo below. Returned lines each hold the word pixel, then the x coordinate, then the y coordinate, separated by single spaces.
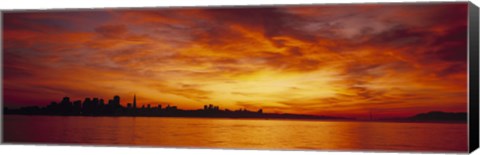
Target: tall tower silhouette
pixel 134 101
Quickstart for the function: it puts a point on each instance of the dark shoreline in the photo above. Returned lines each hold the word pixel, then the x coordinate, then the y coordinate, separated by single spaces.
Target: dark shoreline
pixel 258 118
pixel 201 114
pixel 97 107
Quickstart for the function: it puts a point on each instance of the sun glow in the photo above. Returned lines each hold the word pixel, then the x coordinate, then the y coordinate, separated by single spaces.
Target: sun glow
pixel 313 60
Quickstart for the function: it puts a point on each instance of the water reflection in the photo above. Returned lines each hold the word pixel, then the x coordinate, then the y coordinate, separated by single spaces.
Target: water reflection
pixel 236 133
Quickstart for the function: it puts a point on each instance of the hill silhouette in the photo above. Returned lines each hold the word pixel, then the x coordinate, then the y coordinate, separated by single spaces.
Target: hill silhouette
pixel 438 116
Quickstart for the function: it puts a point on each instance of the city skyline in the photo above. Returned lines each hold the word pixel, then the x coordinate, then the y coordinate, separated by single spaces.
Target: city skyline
pixel 392 60
pixel 98 107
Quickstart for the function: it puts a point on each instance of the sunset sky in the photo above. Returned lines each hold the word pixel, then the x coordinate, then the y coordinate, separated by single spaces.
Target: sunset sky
pixel 339 60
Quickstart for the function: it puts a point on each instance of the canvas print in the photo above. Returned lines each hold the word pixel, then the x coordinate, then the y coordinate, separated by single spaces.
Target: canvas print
pixel 369 77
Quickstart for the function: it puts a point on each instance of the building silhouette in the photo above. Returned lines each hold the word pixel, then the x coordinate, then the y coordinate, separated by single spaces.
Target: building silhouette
pixel 97 107
pixel 134 101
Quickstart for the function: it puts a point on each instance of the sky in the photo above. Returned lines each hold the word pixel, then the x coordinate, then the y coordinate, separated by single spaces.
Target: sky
pixel 391 60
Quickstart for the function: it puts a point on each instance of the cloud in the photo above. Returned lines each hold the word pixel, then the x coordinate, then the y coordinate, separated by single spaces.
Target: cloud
pixel 299 59
pixel 111 31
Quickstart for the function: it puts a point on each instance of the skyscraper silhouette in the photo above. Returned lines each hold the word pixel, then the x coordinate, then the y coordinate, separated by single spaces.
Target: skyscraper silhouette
pixel 116 100
pixel 134 101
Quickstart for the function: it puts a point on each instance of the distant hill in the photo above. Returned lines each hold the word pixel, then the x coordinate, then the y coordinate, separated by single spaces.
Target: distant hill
pixel 439 116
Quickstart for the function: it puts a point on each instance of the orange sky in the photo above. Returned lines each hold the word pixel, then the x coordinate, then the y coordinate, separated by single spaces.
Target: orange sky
pixel 340 60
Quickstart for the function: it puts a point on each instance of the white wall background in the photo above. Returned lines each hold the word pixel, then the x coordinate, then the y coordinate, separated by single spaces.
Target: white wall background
pixel 82 150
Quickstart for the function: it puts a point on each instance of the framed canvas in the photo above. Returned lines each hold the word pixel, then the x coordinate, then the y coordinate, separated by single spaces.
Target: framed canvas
pixel 396 77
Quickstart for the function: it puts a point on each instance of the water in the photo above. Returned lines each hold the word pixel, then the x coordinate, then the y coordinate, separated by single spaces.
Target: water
pixel 236 133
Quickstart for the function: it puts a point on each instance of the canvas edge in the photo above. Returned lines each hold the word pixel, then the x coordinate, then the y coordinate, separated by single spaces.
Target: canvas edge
pixel 473 75
pixel 232 6
pixel 1 80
